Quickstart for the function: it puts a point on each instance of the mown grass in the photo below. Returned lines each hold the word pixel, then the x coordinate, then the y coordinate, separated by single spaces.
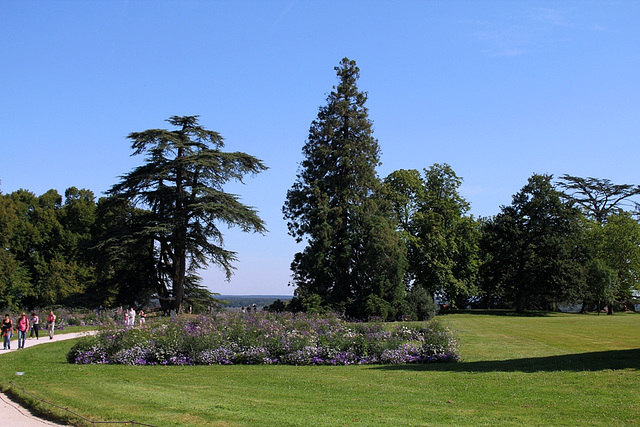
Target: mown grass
pixel 548 369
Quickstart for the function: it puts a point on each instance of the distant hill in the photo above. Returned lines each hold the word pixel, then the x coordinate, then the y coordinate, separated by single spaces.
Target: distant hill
pixel 237 301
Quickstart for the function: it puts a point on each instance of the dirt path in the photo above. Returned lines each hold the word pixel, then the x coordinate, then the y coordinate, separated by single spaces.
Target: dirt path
pixel 14 415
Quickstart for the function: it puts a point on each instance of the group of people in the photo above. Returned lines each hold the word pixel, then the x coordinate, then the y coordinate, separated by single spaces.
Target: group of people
pixel 249 308
pixel 23 324
pixel 130 316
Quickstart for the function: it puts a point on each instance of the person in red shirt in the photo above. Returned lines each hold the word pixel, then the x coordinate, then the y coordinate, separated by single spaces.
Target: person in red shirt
pixel 23 327
pixel 51 324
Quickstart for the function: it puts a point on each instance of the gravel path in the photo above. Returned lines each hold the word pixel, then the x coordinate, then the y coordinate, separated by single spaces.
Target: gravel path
pixel 11 413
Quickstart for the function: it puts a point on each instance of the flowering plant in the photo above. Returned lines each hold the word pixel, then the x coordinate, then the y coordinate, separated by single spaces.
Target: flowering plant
pixel 267 338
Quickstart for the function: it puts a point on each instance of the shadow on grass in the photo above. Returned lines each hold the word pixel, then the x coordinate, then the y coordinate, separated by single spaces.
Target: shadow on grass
pixel 528 313
pixel 596 361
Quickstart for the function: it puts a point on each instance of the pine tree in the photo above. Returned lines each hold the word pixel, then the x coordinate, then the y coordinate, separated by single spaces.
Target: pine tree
pixel 353 259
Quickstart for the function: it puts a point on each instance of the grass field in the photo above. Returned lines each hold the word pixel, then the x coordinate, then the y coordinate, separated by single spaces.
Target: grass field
pixel 553 369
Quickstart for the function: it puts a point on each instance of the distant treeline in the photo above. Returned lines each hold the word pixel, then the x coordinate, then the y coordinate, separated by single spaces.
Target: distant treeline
pixel 237 301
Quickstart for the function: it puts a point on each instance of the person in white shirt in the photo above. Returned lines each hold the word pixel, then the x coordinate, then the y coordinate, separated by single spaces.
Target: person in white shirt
pixel 35 326
pixel 132 316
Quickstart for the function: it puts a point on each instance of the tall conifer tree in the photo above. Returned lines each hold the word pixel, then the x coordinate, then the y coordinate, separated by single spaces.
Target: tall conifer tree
pixel 181 184
pixel 353 259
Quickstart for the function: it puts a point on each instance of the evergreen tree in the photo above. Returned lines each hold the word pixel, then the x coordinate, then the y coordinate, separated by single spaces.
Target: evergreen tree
pixel 353 260
pixel 599 198
pixel 126 257
pixel 181 186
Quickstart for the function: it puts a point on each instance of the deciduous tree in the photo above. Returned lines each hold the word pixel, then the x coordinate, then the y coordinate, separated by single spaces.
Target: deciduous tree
pixel 530 249
pixel 441 239
pixel 613 261
pixel 14 277
pixel 612 237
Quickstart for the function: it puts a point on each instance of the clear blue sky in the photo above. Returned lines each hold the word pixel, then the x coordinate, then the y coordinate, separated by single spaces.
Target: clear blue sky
pixel 497 89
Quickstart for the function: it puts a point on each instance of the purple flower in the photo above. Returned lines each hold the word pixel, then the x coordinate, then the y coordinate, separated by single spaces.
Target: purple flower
pixel 268 338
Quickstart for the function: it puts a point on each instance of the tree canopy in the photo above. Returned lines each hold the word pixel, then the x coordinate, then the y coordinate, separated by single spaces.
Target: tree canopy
pixel 353 260
pixel 599 198
pixel 530 251
pixel 181 187
pixel 442 241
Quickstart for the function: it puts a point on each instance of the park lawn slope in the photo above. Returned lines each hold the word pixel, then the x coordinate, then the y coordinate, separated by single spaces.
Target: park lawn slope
pixel 552 369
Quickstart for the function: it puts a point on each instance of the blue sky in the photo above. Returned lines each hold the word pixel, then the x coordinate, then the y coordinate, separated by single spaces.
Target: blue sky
pixel 497 89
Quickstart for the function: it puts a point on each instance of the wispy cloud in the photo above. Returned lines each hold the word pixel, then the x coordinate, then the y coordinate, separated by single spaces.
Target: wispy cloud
pixel 549 16
pixel 286 10
pixel 520 33
pixel 503 41
pixel 509 52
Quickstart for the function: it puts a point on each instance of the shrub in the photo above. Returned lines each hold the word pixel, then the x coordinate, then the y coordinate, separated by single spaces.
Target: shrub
pixel 88 349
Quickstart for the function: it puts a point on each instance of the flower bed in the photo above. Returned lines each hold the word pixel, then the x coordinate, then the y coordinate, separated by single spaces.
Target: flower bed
pixel 267 338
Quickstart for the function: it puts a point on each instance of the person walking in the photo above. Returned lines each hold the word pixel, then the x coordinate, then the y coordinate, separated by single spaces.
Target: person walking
pixel 142 317
pixel 7 331
pixel 23 327
pixel 35 326
pixel 132 317
pixel 51 324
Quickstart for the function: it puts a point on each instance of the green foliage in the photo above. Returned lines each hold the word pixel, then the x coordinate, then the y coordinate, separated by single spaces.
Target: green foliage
pixel 82 253
pixel 375 306
pixel 336 207
pixel 601 283
pixel 420 303
pixel 598 198
pixel 531 249
pixel 621 252
pixel 45 259
pixel 441 240
pixel 14 277
pixel 611 259
pixel 196 297
pixel 313 304
pixel 180 188
pixel 611 239
pixel 278 306
pixel 124 256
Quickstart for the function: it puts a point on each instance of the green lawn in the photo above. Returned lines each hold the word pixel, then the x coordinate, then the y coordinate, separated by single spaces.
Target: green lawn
pixel 555 369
